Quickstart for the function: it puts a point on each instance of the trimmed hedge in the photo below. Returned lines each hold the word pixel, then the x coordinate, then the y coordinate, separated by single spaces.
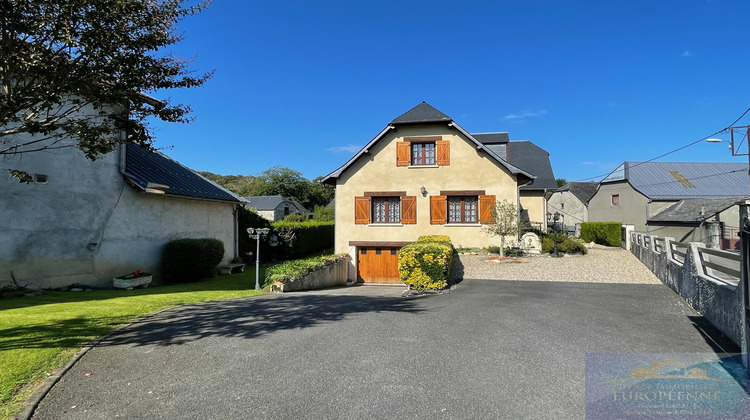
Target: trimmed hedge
pixel 602 233
pixel 309 237
pixel 191 259
pixel 426 263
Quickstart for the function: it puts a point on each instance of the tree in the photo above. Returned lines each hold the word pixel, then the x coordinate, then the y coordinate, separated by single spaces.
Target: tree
pixel 561 182
pixel 505 217
pixel 76 73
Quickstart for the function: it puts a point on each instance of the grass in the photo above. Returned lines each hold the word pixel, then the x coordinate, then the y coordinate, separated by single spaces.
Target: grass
pixel 39 334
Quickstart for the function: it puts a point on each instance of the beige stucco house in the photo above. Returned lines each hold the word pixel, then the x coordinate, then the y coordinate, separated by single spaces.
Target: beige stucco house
pixel 423 174
pixel 688 201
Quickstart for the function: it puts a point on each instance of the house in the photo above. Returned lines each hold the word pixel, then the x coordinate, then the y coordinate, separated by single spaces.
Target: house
pixel 84 221
pixel 683 200
pixel 572 201
pixel 423 174
pixel 533 159
pixel 275 207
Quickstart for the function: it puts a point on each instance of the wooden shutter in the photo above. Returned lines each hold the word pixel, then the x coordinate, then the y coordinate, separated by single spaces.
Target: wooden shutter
pixel 403 152
pixel 443 152
pixel 409 210
pixel 438 209
pixel 486 203
pixel 361 210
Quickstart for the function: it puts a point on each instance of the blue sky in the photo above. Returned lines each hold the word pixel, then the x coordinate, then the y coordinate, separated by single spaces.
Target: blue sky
pixel 595 83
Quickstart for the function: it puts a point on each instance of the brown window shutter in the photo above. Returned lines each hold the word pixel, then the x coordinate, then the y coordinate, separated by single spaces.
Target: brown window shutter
pixel 409 210
pixel 486 203
pixel 403 149
pixel 438 209
pixel 443 152
pixel 361 210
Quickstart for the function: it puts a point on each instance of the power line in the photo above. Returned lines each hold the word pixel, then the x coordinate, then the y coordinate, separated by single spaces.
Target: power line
pixel 723 130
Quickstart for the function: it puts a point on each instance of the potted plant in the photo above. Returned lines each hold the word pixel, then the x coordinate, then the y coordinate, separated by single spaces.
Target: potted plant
pixel 135 279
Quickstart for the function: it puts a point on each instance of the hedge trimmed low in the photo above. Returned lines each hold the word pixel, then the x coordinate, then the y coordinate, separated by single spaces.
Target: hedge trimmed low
pixel 602 233
pixel 565 245
pixel 191 259
pixel 426 263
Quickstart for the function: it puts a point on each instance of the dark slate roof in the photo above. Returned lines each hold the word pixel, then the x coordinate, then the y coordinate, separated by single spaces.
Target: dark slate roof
pixel 694 210
pixel 143 167
pixel 426 114
pixel 581 190
pixel 678 180
pixel 422 114
pixel 491 138
pixel 535 160
pixel 270 202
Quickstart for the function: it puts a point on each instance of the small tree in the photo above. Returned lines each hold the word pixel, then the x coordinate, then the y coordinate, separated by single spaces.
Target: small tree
pixel 504 216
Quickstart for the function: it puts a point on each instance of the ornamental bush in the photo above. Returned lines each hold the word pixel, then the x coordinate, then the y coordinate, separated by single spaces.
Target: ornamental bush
pixel 426 263
pixel 565 245
pixel 602 233
pixel 191 259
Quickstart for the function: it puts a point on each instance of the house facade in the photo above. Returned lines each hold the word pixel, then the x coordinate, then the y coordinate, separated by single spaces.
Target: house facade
pixel 275 207
pixel 572 201
pixel 86 222
pixel 421 175
pixel 659 198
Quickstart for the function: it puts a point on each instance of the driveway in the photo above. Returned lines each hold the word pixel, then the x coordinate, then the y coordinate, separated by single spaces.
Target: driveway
pixel 488 349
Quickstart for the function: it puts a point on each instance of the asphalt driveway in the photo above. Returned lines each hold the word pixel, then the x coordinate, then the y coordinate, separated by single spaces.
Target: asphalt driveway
pixel 489 349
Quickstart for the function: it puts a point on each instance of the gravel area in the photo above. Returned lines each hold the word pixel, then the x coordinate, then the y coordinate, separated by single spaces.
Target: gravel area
pixel 600 265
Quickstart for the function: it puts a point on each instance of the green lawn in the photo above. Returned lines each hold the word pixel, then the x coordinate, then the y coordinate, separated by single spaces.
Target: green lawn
pixel 38 334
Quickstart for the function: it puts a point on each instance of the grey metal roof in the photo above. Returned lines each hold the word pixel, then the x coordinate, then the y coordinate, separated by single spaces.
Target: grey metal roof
pixel 533 159
pixel 422 113
pixel 694 210
pixel 677 180
pixel 143 167
pixel 491 138
pixel 270 202
pixel 581 190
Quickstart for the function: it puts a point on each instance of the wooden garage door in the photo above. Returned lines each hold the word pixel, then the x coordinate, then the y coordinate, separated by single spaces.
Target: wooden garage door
pixel 377 265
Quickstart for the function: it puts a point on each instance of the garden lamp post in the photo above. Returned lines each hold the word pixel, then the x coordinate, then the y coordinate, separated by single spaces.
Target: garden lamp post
pixel 554 218
pixel 256 234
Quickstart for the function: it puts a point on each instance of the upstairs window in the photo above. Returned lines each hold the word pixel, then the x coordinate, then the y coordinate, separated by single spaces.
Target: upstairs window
pixel 615 199
pixel 423 153
pixel 386 209
pixel 462 209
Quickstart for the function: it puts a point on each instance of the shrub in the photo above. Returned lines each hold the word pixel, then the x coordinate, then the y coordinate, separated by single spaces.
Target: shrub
pixel 323 213
pixel 426 264
pixel 250 218
pixel 565 245
pixel 191 259
pixel 513 252
pixel 305 237
pixel 492 249
pixel 296 217
pixel 602 233
pixel 290 271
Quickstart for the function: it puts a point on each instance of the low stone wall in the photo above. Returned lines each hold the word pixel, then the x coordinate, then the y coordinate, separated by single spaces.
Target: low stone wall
pixel 333 275
pixel 718 302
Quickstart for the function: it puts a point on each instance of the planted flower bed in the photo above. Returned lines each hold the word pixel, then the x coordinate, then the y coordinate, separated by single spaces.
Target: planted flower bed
pixel 308 273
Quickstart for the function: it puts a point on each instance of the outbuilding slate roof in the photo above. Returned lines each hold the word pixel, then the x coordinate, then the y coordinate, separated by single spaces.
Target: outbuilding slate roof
pixel 143 167
pixel 581 190
pixel 694 210
pixel 678 180
pixel 270 202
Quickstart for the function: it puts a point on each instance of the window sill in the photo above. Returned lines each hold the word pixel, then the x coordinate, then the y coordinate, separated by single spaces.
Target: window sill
pixel 386 224
pixel 422 166
pixel 463 224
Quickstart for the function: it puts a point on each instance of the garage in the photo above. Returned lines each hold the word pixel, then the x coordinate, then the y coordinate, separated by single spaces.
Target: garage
pixel 378 264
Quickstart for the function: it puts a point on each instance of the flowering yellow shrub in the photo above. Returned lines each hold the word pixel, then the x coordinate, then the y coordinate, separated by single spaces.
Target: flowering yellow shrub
pixel 426 264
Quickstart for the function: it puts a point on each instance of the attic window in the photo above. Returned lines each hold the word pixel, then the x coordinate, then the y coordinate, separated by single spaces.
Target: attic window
pixel 681 179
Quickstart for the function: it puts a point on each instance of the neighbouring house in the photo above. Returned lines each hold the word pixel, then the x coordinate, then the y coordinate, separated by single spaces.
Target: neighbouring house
pixel 423 174
pixel 533 159
pixel 275 207
pixel 572 201
pixel 689 201
pixel 84 221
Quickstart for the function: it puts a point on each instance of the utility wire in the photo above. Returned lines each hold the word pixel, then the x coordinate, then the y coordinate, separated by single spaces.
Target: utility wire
pixel 723 130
